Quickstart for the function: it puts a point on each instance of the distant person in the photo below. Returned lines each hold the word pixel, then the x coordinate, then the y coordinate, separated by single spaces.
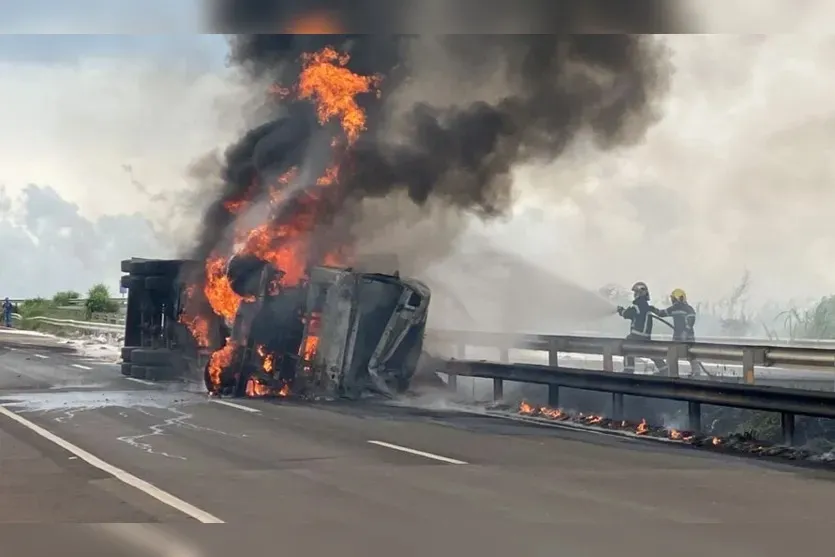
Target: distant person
pixel 7 312
pixel 639 315
pixel 684 323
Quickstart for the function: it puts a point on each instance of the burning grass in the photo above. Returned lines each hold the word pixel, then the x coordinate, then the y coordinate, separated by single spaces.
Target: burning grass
pixel 744 443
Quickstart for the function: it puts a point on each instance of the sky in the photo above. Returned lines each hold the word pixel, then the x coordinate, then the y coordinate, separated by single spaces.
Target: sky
pixel 101 135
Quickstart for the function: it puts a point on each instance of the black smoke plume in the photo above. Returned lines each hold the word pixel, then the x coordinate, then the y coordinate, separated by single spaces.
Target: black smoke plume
pixel 558 87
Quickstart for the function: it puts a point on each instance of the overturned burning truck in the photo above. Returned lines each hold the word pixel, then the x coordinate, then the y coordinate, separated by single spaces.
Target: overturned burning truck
pixel 341 332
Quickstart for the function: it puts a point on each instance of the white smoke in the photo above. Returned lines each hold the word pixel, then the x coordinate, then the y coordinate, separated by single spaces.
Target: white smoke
pixel 736 176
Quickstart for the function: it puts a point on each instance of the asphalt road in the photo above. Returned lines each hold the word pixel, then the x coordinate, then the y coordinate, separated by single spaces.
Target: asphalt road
pixel 81 444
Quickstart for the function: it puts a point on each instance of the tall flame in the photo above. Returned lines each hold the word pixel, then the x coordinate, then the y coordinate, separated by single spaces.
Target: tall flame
pixel 325 81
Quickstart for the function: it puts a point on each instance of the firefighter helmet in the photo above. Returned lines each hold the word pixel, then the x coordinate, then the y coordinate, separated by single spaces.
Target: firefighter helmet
pixel 678 295
pixel 640 289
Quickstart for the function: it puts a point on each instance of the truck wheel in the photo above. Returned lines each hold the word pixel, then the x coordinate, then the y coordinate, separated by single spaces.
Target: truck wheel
pixel 159 283
pixel 154 357
pixel 130 282
pixel 161 373
pixel 138 372
pixel 151 267
pixel 126 352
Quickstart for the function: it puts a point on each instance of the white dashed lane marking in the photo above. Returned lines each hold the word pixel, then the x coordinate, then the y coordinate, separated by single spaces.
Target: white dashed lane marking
pixel 121 475
pixel 142 381
pixel 416 452
pixel 79 366
pixel 41 356
pixel 236 406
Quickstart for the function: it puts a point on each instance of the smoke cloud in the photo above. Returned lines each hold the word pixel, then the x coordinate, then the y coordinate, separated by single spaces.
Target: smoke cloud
pixel 519 99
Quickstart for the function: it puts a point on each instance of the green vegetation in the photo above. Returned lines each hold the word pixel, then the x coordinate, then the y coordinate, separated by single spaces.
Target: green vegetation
pixel 65 298
pixel 98 301
pixel 67 304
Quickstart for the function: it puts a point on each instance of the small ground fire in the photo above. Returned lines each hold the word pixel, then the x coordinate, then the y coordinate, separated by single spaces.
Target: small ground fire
pixel 736 443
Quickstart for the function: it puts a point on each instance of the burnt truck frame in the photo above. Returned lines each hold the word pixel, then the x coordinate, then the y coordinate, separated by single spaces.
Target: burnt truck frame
pixel 368 329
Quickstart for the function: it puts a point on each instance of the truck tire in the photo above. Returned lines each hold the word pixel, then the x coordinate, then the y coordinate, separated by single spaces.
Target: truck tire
pixel 151 267
pixel 138 372
pixel 159 283
pixel 131 283
pixel 162 373
pixel 126 369
pixel 154 357
pixel 126 352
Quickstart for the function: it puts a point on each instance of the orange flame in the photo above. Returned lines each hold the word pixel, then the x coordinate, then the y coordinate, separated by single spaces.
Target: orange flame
pixel 325 81
pixel 642 428
pixel 219 360
pixel 197 325
pixel 314 23
pixel 334 88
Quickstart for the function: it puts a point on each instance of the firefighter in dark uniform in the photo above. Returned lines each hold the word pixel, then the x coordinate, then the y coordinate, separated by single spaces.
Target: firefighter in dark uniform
pixel 684 322
pixel 684 317
pixel 639 315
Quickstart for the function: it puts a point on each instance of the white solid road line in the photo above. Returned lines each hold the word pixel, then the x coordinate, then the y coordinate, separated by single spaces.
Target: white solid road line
pixel 416 452
pixel 41 356
pixel 142 381
pixel 121 475
pixel 79 366
pixel 238 406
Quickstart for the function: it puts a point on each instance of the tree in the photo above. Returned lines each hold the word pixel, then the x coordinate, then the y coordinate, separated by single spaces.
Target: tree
pixel 98 300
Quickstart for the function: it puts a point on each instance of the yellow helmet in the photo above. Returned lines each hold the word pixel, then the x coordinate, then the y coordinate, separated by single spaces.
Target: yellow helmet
pixel 678 295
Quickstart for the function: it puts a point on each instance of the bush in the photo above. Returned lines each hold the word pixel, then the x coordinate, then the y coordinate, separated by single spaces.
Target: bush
pixel 34 307
pixel 98 301
pixel 65 298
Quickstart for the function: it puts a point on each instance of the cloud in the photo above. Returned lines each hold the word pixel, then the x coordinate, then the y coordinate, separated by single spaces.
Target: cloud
pixel 117 134
pixel 46 245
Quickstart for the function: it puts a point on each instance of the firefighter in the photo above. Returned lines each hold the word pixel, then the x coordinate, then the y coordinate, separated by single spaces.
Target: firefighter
pixel 684 321
pixel 684 316
pixel 639 315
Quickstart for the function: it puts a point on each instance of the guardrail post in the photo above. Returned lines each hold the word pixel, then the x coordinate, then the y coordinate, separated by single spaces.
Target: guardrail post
pixel 673 355
pixel 751 357
pixel 787 425
pixel 553 361
pixel 608 358
pixel 452 383
pixel 694 416
pixel 617 406
pixel 553 353
pixel 498 385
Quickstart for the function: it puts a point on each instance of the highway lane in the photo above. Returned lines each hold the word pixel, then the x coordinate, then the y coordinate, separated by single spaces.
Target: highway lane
pixel 310 476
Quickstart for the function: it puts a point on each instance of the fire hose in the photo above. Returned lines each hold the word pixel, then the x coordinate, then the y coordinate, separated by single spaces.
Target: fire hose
pixel 692 362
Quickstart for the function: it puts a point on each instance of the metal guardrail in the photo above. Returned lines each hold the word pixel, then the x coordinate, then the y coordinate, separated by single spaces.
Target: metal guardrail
pixel 747 355
pixel 788 402
pixel 75 324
